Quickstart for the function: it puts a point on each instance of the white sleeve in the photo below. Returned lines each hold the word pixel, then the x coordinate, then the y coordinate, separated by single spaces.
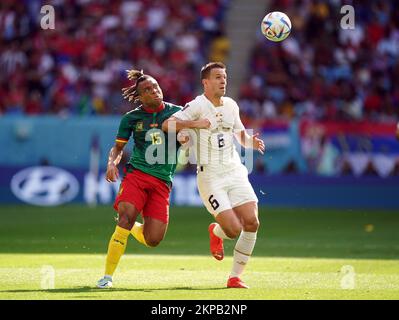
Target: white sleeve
pixel 238 126
pixel 191 111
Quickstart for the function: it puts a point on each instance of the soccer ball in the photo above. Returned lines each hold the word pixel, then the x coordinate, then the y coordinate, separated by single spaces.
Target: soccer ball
pixel 276 26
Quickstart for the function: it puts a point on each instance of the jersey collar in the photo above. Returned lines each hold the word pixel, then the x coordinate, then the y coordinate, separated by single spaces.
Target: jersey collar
pixel 160 108
pixel 210 102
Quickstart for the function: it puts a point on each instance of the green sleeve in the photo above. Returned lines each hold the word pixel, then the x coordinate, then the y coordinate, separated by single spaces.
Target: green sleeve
pixel 125 129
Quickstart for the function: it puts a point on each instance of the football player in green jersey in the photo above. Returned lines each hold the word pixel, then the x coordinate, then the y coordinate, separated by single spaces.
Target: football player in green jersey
pixel 146 186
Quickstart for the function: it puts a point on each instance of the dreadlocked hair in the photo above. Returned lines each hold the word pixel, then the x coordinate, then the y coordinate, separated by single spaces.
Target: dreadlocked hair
pixel 130 93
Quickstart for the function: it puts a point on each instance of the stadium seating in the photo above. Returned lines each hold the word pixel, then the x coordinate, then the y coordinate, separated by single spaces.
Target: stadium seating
pixel 79 67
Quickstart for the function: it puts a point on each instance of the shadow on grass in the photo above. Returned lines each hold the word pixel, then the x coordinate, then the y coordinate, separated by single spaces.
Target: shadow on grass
pixel 91 289
pixel 388 253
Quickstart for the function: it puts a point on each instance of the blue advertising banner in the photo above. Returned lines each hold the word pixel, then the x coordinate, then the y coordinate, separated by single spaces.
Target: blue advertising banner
pixel 53 186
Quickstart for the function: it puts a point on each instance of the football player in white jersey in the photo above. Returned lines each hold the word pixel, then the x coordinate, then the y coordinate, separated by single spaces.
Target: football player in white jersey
pixel 221 177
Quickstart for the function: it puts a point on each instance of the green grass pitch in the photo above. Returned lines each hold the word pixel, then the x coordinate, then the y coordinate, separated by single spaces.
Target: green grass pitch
pixel 300 254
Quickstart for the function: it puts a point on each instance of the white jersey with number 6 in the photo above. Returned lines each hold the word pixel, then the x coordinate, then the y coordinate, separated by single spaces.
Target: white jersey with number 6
pixel 214 147
pixel 222 178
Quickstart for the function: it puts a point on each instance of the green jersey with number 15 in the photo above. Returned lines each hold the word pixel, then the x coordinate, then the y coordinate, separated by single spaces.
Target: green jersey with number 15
pixel 152 152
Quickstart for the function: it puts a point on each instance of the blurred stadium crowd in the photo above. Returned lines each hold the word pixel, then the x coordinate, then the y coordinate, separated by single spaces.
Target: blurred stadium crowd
pixel 79 67
pixel 321 72
pixel 324 72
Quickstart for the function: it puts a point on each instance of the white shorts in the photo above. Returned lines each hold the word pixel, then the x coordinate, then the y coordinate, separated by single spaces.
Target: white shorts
pixel 225 191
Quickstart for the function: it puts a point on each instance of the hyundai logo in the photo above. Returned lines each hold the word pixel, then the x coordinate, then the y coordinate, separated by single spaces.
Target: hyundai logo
pixel 44 186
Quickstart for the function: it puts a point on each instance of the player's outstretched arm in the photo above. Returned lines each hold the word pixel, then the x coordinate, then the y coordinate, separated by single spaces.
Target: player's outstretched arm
pixel 174 124
pixel 248 141
pixel 114 157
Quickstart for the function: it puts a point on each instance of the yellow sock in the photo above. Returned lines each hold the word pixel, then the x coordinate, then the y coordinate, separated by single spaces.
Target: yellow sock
pixel 116 248
pixel 138 232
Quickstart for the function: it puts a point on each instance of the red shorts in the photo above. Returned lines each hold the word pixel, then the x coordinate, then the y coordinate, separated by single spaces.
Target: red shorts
pixel 147 193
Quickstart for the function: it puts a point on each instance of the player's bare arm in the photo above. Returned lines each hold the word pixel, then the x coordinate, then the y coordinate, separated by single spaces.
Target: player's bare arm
pixel 397 131
pixel 175 124
pixel 249 141
pixel 114 157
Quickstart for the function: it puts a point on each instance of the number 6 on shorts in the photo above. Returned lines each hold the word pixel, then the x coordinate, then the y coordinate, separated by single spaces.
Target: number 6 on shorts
pixel 214 203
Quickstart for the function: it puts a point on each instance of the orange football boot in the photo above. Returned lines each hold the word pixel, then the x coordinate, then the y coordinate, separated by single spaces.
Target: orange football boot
pixel 215 243
pixel 236 282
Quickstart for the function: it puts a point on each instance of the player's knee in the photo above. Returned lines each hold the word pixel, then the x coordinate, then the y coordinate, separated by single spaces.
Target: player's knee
pixel 233 231
pixel 125 221
pixel 152 239
pixel 153 242
pixel 252 225
pixel 126 216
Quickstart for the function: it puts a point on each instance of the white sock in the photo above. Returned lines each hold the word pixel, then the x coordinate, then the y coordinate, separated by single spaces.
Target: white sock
pixel 242 251
pixel 218 232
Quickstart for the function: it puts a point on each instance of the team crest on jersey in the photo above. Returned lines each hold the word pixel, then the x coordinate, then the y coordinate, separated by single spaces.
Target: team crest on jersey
pixel 139 126
pixel 219 117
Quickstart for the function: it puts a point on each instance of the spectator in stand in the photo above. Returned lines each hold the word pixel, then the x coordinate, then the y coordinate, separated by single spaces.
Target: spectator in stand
pixel 78 68
pixel 323 72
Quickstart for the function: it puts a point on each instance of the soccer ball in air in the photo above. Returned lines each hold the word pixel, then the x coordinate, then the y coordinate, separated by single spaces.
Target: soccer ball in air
pixel 276 26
